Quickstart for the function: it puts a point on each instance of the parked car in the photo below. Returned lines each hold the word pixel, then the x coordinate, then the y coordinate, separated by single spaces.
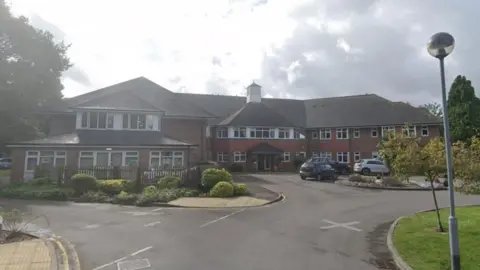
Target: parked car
pixel 370 166
pixel 340 168
pixel 318 171
pixel 5 163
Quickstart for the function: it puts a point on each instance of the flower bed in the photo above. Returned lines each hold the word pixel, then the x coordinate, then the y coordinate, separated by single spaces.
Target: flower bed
pixel 391 183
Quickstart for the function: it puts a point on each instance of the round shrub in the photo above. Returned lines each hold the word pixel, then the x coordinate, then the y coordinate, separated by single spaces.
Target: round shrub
pixel 222 189
pixel 240 190
pixel 169 182
pixel 125 198
pixel 150 190
pixel 82 183
pixel 212 176
pixel 111 187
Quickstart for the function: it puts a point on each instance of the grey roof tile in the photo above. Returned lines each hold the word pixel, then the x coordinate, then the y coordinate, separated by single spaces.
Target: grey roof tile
pixel 265 148
pixel 109 138
pixel 256 114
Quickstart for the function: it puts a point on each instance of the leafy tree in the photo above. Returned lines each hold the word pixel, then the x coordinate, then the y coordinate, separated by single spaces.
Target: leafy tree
pixel 31 65
pixel 463 110
pixel 432 163
pixel 467 164
pixel 434 108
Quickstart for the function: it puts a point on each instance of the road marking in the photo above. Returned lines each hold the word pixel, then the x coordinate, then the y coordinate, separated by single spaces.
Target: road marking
pixel 152 224
pixel 123 258
pixel 92 226
pixel 222 218
pixel 347 225
pixel 158 209
pixel 137 214
pixel 134 264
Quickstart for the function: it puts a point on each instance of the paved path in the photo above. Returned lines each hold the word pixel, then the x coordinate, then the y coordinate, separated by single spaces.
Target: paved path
pixel 320 225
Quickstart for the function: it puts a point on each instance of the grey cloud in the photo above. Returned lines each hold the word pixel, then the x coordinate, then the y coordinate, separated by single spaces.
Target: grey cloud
pixel 387 61
pixel 75 73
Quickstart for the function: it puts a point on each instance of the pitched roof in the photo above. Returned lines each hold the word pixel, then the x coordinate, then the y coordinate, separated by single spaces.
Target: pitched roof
pixel 265 148
pixel 363 110
pixel 256 114
pixel 109 138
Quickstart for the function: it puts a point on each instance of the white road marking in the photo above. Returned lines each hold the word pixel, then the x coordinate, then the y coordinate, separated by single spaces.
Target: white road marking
pixel 137 214
pixel 140 251
pixel 221 218
pixel 134 264
pixel 92 226
pixel 123 258
pixel 152 224
pixel 347 225
pixel 158 209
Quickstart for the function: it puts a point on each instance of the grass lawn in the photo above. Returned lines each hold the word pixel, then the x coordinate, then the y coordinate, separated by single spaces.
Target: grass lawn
pixel 425 249
pixel 4 173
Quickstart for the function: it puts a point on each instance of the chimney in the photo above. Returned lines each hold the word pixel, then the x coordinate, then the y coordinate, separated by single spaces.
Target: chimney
pixel 254 93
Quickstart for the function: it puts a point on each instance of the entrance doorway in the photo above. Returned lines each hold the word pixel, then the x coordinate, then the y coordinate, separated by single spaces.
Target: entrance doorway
pixel 264 162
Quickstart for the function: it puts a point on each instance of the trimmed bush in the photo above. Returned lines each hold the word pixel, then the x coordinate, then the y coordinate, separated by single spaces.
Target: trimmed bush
pixel 212 176
pixel 150 190
pixel 125 198
pixel 222 189
pixel 82 183
pixel 42 181
pixel 111 187
pixel 146 199
pixel 169 182
pixel 36 192
pixel 95 196
pixel 240 189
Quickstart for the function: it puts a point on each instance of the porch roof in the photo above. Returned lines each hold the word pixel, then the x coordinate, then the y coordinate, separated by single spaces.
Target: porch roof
pixel 107 138
pixel 265 148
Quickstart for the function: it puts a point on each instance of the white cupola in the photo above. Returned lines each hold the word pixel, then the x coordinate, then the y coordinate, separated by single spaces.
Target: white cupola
pixel 254 93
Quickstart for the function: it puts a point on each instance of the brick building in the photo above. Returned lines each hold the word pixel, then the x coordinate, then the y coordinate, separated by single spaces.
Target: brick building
pixel 140 123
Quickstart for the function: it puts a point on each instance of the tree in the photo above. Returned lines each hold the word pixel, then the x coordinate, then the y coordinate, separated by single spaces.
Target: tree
pixel 467 164
pixel 434 108
pixel 463 110
pixel 31 66
pixel 432 163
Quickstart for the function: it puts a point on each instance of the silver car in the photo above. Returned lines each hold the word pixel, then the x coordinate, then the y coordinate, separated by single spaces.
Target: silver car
pixel 5 163
pixel 370 166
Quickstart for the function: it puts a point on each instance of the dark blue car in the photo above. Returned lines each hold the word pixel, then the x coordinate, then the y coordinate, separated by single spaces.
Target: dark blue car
pixel 318 171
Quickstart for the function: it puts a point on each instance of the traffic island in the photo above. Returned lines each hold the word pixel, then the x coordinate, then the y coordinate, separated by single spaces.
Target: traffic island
pixel 387 183
pixel 415 242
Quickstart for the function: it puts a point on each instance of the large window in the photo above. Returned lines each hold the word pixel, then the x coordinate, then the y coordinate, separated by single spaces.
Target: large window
pixel 239 157
pixel 409 131
pixel 222 132
pixel 342 157
pixel 284 133
pixel 262 133
pixel 167 159
pixel 325 134
pixel 388 130
pixel 51 158
pixel 222 156
pixel 138 121
pixel 89 159
pixel 97 120
pixel 342 133
pixel 240 132
pixel 325 155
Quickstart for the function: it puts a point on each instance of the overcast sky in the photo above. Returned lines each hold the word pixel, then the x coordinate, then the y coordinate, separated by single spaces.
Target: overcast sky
pixel 295 49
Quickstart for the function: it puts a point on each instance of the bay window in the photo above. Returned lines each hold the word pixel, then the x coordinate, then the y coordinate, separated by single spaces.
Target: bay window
pixel 284 133
pixel 167 159
pixel 262 133
pixel 49 158
pixel 89 159
pixel 97 120
pixel 240 132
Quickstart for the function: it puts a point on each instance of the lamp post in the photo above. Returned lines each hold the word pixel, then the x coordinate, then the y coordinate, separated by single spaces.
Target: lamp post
pixel 440 46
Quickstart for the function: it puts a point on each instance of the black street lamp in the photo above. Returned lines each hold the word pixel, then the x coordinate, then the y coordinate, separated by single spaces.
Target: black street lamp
pixel 440 46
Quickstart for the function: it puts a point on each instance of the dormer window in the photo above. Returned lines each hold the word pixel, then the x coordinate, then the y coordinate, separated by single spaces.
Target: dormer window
pixel 138 121
pixel 97 120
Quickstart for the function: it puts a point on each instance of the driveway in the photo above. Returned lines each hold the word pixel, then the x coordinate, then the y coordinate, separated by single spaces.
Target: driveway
pixel 319 226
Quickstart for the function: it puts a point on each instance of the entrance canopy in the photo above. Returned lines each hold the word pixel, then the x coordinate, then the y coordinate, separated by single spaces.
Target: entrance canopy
pixel 265 148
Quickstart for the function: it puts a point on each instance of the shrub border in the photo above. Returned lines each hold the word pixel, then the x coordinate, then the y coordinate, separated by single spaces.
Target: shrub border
pixel 399 262
pixel 348 184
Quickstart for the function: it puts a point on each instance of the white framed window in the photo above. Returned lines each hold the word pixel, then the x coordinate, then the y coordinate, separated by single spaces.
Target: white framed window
pixel 301 154
pixel 425 131
pixel 375 155
pixel 97 120
pixel 325 155
pixel 410 131
pixel 286 157
pixel 138 121
pixel 222 156
pixel 374 132
pixel 325 134
pixel 262 133
pixel 314 154
pixel 356 133
pixel 387 130
pixel 240 132
pixel 356 156
pixel 342 133
pixel 314 134
pixel 51 158
pixel 284 133
pixel 166 159
pixel 89 159
pixel 298 135
pixel 222 132
pixel 342 157
pixel 239 157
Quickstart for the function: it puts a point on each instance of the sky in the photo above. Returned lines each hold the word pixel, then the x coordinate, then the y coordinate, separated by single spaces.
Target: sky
pixel 294 49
